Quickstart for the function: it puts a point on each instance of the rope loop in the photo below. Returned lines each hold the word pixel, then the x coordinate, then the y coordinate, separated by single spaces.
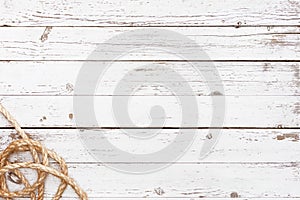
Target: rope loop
pixel 40 162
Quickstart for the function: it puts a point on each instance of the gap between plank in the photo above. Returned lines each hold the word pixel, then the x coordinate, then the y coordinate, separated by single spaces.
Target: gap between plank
pixel 53 60
pixel 164 95
pixel 144 128
pixel 145 26
pixel 291 164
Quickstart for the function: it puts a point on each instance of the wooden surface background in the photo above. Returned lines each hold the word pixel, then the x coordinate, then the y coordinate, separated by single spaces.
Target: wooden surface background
pixel 255 45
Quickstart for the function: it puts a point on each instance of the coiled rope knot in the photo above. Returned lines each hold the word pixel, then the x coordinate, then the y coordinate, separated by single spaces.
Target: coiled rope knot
pixel 40 163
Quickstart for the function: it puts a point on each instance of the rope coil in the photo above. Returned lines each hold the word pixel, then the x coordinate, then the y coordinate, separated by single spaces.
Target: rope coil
pixel 40 163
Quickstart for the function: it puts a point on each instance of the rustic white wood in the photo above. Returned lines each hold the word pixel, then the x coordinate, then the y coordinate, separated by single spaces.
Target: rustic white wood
pixel 59 78
pixel 149 13
pixel 187 181
pixel 77 43
pixel 162 198
pixel 257 155
pixel 234 146
pixel 244 111
pixel 168 198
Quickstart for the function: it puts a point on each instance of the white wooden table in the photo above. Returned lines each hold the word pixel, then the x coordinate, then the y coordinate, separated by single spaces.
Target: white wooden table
pixel 254 45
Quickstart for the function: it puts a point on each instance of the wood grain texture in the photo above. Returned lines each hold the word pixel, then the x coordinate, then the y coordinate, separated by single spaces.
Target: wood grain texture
pixel 226 43
pixel 168 198
pixel 149 13
pixel 247 111
pixel 239 79
pixel 256 44
pixel 234 146
pixel 187 181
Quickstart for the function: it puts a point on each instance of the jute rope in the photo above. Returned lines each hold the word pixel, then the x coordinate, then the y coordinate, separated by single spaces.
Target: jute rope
pixel 40 163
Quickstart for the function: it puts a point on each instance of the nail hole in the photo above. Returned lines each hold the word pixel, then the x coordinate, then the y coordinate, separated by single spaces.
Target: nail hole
pixel 238 25
pixel 209 136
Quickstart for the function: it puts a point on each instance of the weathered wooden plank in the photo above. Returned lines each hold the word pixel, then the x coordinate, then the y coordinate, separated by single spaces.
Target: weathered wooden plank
pixel 170 198
pixel 151 13
pixel 226 43
pixel 190 180
pixel 244 111
pixel 59 78
pixel 234 146
pixel 245 163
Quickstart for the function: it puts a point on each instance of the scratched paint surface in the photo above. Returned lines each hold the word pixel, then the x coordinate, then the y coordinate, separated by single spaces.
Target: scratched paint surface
pixel 255 47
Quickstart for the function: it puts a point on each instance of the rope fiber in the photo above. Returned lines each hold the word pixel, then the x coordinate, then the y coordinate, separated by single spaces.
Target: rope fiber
pixel 40 162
